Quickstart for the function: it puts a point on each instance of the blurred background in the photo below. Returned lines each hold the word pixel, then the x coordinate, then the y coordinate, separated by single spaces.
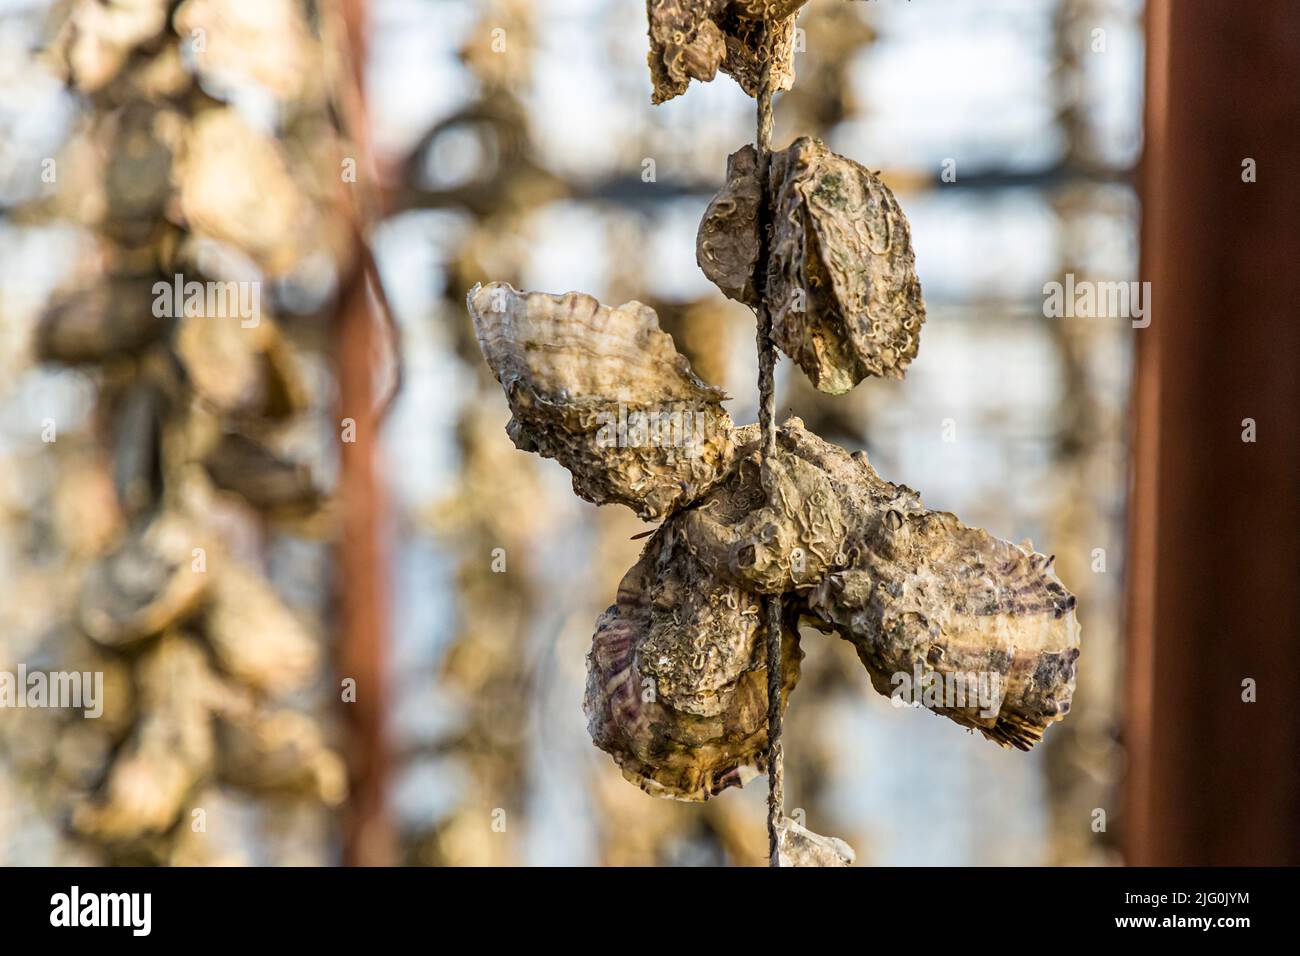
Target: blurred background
pixel 364 164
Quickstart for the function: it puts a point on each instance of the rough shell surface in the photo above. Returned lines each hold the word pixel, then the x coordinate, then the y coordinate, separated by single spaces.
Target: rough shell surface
pixel 920 594
pixel 603 391
pixel 726 246
pixel 677 676
pixel 980 629
pixel 693 39
pixel 842 286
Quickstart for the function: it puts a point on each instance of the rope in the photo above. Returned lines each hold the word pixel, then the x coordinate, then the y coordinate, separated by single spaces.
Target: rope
pixel 767 428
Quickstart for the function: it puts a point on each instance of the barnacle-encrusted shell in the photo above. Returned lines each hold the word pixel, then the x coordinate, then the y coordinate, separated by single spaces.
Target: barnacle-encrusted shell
pixel 841 283
pixel 677 676
pixel 920 594
pixel 604 392
pixel 693 39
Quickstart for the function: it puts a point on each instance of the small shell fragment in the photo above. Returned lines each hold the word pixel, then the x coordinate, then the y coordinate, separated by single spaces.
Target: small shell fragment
pixel 977 629
pixel 799 846
pixel 842 285
pixel 603 391
pixel 693 39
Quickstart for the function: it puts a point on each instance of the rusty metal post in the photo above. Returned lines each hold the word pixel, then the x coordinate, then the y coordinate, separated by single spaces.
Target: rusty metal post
pixel 1214 569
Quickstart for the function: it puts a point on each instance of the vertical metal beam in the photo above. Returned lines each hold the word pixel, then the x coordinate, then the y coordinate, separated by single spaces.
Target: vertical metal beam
pixel 1214 569
pixel 361 565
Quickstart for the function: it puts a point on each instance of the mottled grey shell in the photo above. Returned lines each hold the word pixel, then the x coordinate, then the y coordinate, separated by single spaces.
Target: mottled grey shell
pixel 604 392
pixel 677 676
pixel 693 39
pixel 846 303
pixel 842 285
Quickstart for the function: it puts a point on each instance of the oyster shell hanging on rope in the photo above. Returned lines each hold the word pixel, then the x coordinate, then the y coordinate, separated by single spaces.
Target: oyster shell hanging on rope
pixel 841 281
pixel 693 39
pixel 604 392
pixel 979 629
pixel 677 676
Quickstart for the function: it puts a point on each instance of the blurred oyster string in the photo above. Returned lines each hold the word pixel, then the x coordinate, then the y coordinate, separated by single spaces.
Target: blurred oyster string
pixel 198 597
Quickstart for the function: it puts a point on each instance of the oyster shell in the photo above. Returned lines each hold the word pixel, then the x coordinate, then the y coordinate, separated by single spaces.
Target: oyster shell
pixel 239 370
pixel 255 638
pixel 143 587
pixel 97 39
pixel 170 750
pixel 271 483
pixel 677 676
pixel 265 212
pixel 977 629
pixel 603 391
pixel 693 39
pixel 927 600
pixel 841 283
pixel 726 246
pixel 799 846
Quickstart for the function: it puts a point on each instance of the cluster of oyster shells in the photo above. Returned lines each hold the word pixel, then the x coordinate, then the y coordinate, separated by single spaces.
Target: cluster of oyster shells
pixel 676 690
pixel 677 674
pixel 694 39
pixel 204 652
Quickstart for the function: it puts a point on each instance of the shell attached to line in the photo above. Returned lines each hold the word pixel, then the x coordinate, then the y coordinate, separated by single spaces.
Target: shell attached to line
pixel 846 303
pixel 693 39
pixel 842 283
pixel 604 392
pixel 677 676
pixel 943 616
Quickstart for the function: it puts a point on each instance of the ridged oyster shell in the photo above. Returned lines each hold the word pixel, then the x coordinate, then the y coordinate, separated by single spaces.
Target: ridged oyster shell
pixel 603 391
pixel 920 594
pixel 693 39
pixel 842 285
pixel 677 676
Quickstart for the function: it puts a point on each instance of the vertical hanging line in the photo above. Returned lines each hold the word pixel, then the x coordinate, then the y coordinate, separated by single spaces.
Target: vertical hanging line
pixel 767 427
